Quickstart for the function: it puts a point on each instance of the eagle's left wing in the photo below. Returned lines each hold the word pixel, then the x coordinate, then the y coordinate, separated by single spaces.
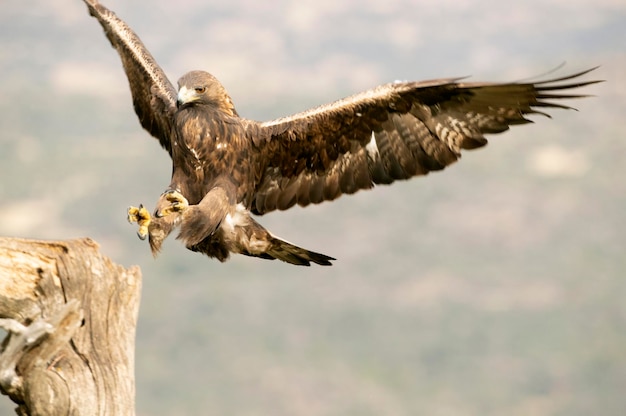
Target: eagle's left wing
pixel 154 96
pixel 393 132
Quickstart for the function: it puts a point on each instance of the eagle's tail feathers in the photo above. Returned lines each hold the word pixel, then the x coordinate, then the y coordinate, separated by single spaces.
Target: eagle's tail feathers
pixel 289 253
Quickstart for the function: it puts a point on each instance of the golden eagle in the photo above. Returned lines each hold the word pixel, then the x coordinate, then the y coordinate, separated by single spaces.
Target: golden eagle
pixel 226 167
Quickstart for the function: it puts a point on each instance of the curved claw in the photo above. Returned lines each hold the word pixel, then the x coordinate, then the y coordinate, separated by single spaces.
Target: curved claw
pixel 141 216
pixel 177 203
pixel 133 213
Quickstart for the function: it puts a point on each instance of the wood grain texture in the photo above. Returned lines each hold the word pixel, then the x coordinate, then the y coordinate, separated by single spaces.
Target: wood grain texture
pixel 70 315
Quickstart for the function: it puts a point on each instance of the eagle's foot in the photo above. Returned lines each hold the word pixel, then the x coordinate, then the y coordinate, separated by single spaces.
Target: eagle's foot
pixel 178 203
pixel 141 216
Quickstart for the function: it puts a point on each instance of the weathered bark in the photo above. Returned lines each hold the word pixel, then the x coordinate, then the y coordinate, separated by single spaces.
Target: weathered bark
pixel 71 315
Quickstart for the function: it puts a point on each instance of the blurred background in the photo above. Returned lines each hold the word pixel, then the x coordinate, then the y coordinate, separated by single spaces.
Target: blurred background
pixel 495 287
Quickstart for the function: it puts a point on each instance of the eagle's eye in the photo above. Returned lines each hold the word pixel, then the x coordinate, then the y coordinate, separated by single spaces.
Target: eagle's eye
pixel 200 90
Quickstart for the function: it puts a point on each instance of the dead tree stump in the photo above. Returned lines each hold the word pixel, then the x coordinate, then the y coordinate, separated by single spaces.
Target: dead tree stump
pixel 70 316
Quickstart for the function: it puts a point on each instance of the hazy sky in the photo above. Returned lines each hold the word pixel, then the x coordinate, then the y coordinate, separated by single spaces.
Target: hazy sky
pixel 501 262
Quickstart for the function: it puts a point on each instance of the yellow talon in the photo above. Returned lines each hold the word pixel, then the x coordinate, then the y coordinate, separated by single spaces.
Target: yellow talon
pixel 178 203
pixel 142 217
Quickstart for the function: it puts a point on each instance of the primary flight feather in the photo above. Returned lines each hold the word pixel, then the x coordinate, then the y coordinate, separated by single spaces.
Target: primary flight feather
pixel 226 168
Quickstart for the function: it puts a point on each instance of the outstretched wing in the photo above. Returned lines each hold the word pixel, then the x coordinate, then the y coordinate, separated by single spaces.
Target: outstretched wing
pixel 154 97
pixel 393 132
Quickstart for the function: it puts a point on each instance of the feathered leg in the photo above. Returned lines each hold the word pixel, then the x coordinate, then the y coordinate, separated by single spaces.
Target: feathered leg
pixel 201 220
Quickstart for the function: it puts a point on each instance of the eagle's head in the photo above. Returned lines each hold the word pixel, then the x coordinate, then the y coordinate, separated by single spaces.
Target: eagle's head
pixel 202 88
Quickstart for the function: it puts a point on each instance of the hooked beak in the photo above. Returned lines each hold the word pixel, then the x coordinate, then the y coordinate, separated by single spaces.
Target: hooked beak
pixel 185 95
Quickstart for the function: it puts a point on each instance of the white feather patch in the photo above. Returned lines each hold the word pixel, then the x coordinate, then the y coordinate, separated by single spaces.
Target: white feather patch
pixel 372 148
pixel 197 156
pixel 238 218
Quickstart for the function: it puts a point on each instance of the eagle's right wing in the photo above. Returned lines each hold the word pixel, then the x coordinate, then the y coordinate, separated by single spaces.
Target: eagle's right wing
pixel 154 96
pixel 393 132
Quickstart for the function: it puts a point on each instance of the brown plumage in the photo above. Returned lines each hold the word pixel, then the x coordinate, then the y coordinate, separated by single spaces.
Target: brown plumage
pixel 226 167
